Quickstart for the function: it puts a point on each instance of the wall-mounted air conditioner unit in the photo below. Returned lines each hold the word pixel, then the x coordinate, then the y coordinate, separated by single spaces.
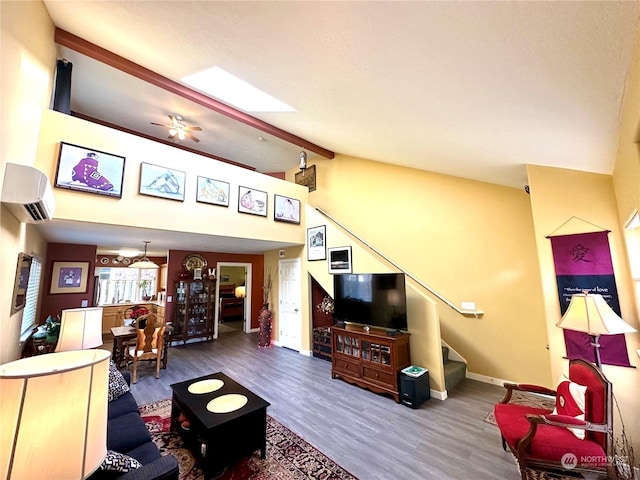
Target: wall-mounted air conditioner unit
pixel 27 193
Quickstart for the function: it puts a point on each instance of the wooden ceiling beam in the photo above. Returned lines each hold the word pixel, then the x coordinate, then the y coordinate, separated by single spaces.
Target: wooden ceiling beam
pixel 92 50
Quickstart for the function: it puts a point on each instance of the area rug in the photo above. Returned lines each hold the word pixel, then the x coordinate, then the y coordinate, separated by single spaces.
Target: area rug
pixel 520 398
pixel 289 457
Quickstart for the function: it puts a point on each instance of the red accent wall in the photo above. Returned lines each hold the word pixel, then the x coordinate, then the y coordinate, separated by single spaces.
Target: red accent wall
pixel 174 267
pixel 319 319
pixel 53 304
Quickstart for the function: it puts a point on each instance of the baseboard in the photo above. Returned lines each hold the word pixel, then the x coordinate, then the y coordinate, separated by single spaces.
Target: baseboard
pixel 438 395
pixel 486 379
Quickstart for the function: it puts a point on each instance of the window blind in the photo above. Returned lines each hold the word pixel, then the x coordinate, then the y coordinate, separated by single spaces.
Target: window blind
pixel 31 302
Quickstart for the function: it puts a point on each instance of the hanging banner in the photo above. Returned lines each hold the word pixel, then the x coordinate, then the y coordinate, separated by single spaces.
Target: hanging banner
pixel 583 262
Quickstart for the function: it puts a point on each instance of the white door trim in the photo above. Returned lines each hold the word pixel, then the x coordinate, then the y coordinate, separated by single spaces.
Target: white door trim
pixel 248 268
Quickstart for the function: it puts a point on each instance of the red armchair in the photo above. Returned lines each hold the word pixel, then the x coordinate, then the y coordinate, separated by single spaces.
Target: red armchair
pixel 542 441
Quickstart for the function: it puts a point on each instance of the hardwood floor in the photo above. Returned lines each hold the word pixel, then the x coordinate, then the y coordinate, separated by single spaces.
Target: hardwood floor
pixel 368 434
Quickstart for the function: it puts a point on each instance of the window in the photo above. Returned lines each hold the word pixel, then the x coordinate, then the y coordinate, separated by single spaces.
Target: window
pixel 117 285
pixel 31 302
pixel 632 236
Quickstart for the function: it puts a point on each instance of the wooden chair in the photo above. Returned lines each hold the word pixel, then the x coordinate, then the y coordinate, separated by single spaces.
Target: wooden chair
pixel 542 441
pixel 147 346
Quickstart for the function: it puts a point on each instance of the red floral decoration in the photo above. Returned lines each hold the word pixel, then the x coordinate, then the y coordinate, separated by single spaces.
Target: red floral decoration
pixel 138 311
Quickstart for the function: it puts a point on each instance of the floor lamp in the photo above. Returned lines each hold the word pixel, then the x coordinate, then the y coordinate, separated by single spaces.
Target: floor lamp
pixel 591 314
pixel 80 328
pixel 54 415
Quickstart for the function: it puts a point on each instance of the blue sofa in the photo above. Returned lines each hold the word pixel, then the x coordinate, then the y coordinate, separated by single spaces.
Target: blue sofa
pixel 127 434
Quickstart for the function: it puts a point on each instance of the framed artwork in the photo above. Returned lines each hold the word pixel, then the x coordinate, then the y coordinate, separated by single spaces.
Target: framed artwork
pixel 69 277
pixel 21 283
pixel 316 243
pixel 162 182
pixel 307 178
pixel 212 191
pixel 286 209
pixel 89 170
pixel 252 201
pixel 340 260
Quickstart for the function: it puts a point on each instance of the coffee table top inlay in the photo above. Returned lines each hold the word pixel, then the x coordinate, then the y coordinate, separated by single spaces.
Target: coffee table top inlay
pixel 194 405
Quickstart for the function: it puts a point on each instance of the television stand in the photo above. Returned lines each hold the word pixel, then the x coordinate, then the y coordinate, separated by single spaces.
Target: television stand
pixel 370 359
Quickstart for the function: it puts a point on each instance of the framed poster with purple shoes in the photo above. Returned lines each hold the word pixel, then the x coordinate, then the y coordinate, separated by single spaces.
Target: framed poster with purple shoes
pixel 89 170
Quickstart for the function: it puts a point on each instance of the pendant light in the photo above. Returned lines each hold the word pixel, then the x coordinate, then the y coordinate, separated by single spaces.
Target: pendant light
pixel 144 262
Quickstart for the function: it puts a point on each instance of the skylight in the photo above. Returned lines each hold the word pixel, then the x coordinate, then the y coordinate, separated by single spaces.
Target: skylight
pixel 230 89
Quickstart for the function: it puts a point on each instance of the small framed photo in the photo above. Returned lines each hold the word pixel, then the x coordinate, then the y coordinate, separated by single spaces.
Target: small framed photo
pixel 317 243
pixel 162 182
pixel 286 209
pixel 215 192
pixel 89 170
pixel 252 201
pixel 307 178
pixel 69 277
pixel 340 260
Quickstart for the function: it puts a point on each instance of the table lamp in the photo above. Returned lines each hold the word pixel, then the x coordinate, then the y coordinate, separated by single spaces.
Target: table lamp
pixel 54 415
pixel 80 328
pixel 591 314
pixel 241 291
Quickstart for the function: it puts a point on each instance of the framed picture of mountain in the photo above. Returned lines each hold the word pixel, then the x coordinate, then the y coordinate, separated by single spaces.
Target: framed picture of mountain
pixel 162 182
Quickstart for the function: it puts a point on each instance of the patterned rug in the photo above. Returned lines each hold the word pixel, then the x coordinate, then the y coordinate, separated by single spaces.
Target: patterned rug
pixel 520 398
pixel 289 457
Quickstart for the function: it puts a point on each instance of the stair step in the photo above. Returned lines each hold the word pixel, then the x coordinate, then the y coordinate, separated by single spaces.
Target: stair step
pixel 454 373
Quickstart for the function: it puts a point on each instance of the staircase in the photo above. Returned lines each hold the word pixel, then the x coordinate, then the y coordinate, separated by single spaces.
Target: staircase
pixel 454 371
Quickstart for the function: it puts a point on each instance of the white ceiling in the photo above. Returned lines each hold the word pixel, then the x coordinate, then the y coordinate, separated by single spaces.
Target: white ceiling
pixel 471 89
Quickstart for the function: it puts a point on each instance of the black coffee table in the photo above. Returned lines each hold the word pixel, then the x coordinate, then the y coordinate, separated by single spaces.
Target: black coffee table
pixel 220 439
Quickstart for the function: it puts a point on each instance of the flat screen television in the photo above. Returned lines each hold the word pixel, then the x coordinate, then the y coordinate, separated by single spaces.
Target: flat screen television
pixel 375 299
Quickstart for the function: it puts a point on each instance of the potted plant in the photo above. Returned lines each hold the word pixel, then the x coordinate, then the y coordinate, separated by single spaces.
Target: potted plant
pixel 52 326
pixel 144 284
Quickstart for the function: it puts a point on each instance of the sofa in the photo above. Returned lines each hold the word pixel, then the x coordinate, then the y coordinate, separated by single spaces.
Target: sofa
pixel 132 455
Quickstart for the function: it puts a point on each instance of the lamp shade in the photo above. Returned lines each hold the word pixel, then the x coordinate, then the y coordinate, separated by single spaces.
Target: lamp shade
pixel 144 263
pixel 80 328
pixel 592 314
pixel 54 415
pixel 241 291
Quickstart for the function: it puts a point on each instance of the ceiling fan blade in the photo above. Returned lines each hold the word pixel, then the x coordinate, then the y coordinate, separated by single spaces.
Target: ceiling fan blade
pixel 173 119
pixel 188 135
pixel 161 124
pixel 193 129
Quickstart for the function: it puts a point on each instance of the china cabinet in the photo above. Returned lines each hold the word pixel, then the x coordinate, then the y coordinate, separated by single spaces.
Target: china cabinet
pixel 193 313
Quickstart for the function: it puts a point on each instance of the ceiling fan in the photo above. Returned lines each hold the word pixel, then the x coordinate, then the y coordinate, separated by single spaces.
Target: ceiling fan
pixel 178 130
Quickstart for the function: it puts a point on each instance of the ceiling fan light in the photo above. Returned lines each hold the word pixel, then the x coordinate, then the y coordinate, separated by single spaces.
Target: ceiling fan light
pixel 181 134
pixel 172 131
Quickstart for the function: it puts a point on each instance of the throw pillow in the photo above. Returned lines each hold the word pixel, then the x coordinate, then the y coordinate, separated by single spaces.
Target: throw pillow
pixel 117 384
pixel 570 402
pixel 119 462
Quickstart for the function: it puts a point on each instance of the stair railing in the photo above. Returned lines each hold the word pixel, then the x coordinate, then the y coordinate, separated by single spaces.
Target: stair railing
pixel 475 313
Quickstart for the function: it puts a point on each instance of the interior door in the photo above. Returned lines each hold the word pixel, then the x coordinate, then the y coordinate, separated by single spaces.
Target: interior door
pixel 290 318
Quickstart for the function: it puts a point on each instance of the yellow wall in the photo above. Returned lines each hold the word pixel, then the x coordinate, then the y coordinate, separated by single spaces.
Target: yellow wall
pixel 236 275
pixel 468 240
pixel 626 175
pixel 152 212
pixel 27 59
pixel 626 182
pixel 581 202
